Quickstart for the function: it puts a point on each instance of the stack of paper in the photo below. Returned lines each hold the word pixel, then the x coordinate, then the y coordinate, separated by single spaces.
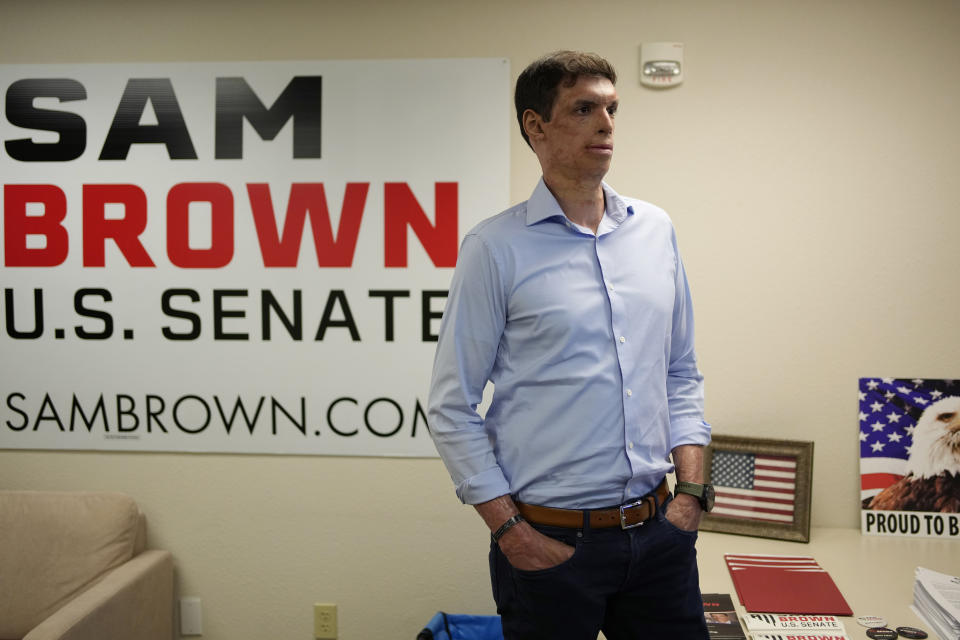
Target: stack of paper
pixel 785 584
pixel 766 626
pixel 936 599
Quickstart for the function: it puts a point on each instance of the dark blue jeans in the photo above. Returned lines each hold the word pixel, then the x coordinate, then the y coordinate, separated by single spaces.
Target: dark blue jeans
pixel 631 584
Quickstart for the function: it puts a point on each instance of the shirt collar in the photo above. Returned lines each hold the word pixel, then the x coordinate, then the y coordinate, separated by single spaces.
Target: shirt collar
pixel 542 205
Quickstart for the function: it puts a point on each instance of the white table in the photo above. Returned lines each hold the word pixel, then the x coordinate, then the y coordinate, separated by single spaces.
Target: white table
pixel 875 574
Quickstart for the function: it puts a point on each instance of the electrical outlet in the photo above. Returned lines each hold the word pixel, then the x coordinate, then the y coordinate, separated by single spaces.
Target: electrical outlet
pixel 325 621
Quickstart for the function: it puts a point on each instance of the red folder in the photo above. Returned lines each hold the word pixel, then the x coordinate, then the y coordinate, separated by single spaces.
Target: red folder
pixel 785 584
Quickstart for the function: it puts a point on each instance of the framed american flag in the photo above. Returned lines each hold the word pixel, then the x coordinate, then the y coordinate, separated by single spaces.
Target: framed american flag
pixel 762 486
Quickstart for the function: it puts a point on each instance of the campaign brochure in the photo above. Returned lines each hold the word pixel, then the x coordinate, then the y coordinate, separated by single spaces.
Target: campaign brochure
pixel 785 584
pixel 790 622
pixel 723 623
pixel 802 635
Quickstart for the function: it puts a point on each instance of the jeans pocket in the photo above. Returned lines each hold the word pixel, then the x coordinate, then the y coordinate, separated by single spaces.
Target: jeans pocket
pixel 534 573
pixel 690 534
pixel 565 536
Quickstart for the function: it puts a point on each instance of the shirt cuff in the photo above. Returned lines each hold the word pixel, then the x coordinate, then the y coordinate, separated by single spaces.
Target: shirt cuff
pixel 689 431
pixel 483 487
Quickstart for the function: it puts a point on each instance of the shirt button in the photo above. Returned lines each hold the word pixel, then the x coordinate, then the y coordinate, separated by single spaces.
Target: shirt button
pixel 629 392
pixel 630 445
pixel 622 339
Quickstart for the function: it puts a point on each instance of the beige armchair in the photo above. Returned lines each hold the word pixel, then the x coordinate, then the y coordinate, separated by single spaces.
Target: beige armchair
pixel 74 566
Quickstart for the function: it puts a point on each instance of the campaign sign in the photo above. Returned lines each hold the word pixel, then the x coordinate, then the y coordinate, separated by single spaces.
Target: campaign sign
pixel 910 457
pixel 237 257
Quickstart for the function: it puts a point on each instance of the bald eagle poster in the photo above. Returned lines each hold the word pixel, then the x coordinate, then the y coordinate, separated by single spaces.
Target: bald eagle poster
pixel 910 457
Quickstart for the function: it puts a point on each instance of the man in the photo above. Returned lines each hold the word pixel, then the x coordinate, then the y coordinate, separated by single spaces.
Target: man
pixel 575 305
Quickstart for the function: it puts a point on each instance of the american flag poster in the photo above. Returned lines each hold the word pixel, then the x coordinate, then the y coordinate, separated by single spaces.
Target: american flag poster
pixel 752 486
pixel 909 432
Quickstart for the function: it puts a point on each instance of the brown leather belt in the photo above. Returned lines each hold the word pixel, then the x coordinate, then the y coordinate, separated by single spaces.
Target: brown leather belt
pixel 626 516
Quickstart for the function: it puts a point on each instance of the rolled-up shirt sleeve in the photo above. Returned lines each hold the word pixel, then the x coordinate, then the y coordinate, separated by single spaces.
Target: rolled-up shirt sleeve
pixel 684 380
pixel 470 331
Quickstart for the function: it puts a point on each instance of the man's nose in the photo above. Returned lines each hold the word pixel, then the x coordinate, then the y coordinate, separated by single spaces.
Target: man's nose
pixel 606 121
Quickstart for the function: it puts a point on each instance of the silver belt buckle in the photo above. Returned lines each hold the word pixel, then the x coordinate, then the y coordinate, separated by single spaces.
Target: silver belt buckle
pixel 623 514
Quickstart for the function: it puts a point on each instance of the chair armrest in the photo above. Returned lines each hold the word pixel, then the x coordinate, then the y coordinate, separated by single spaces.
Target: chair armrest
pixel 135 600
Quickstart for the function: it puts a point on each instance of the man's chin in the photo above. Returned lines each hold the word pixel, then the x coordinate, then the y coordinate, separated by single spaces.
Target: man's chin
pixel 598 169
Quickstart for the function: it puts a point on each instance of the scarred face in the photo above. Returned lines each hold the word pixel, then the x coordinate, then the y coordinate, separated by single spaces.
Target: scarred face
pixel 577 142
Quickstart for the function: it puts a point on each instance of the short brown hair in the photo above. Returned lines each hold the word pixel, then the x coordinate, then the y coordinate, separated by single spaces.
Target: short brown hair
pixel 537 84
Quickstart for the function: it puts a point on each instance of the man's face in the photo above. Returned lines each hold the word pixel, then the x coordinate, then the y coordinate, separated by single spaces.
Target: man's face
pixel 577 141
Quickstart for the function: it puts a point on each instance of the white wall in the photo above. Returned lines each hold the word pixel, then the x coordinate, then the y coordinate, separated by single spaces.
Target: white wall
pixel 809 164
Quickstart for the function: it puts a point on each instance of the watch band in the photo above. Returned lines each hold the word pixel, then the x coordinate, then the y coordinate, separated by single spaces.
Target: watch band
pixel 693 488
pixel 511 522
pixel 704 493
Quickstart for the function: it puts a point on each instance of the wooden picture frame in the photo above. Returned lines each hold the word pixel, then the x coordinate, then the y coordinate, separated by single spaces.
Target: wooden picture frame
pixel 753 499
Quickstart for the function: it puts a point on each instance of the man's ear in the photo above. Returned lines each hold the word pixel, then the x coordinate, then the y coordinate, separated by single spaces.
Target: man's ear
pixel 532 124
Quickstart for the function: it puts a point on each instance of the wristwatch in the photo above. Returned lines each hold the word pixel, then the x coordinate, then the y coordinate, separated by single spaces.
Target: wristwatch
pixel 704 493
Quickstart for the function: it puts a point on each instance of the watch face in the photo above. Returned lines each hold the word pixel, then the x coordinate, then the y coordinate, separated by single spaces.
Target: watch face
pixel 709 496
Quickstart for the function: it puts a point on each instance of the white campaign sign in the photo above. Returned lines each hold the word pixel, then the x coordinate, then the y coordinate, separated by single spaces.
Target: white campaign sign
pixel 237 257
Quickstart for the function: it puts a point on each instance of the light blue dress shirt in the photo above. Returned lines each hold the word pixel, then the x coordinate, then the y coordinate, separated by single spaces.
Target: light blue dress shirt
pixel 588 340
